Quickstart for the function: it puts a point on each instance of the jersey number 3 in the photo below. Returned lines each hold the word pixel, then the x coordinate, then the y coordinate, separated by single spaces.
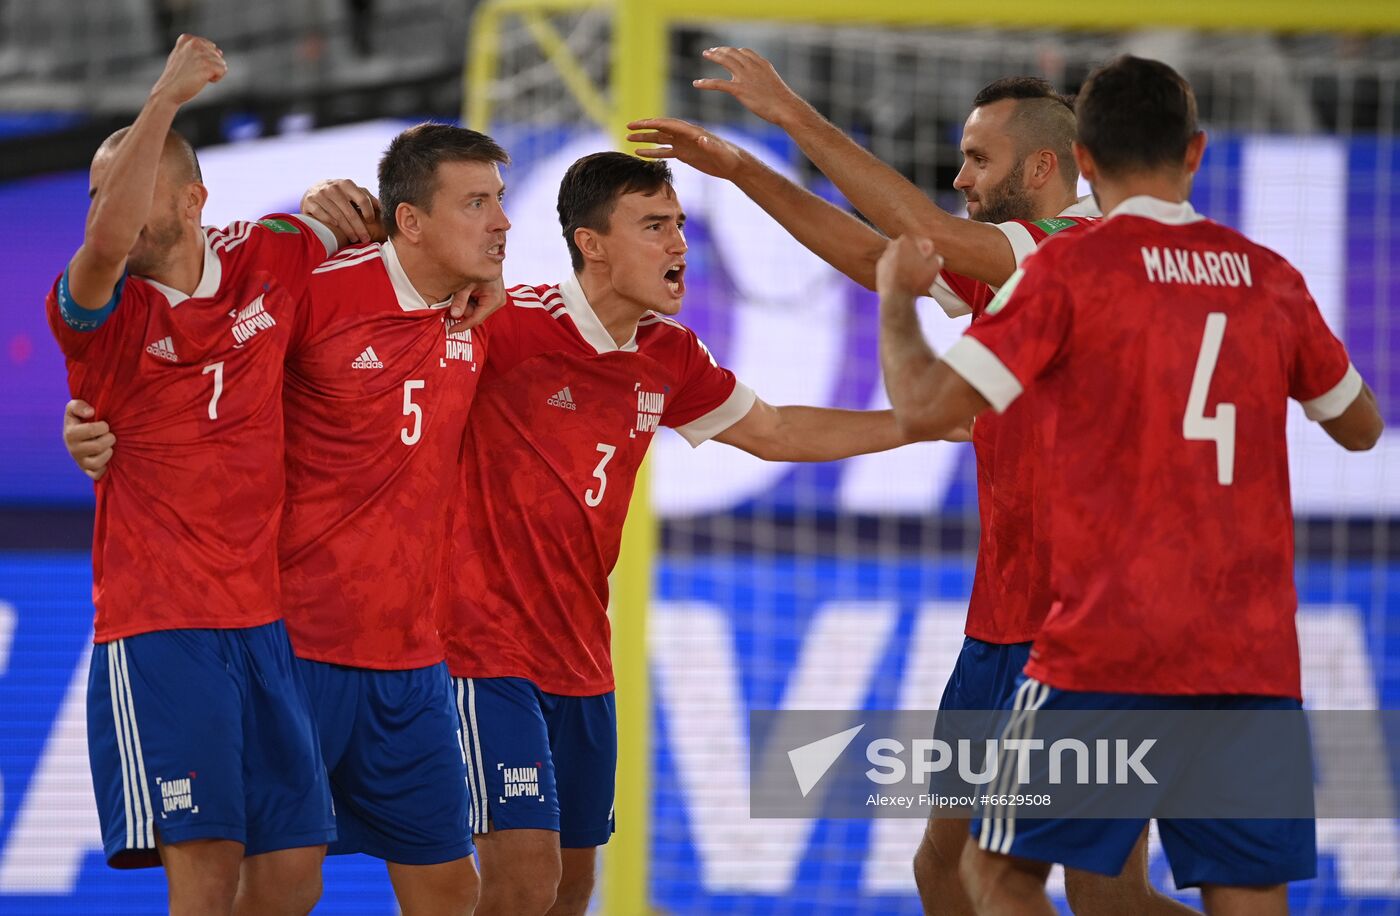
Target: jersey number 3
pixel 594 499
pixel 1198 427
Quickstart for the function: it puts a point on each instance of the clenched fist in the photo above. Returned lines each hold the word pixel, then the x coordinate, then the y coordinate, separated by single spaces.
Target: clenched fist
pixel 908 267
pixel 194 64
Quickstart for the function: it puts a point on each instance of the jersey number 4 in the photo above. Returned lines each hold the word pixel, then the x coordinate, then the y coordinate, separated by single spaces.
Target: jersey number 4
pixel 1198 427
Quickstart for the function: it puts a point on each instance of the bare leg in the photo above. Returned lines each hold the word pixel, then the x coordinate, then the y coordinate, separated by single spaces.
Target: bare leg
pixel 520 872
pixel 445 889
pixel 1004 885
pixel 1220 900
pixel 576 884
pixel 1092 894
pixel 282 883
pixel 936 868
pixel 201 875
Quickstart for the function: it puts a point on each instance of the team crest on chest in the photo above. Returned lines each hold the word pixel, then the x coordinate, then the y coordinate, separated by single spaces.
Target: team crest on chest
pixel 458 347
pixel 249 320
pixel 650 406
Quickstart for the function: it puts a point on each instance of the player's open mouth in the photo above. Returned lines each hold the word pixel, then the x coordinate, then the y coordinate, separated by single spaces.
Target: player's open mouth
pixel 675 279
pixel 497 252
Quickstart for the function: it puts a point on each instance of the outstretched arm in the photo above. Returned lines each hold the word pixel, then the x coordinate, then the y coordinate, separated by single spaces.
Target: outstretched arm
pixel 832 234
pixel 887 198
pixel 121 204
pixel 930 400
pixel 812 433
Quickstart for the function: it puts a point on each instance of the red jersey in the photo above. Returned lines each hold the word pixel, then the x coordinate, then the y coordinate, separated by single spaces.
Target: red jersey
pixel 186 528
pixel 563 421
pixel 1011 586
pixel 1166 470
pixel 376 399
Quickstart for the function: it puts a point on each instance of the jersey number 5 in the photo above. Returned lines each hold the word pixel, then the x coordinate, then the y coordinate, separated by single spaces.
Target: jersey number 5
pixel 594 499
pixel 1198 427
pixel 414 430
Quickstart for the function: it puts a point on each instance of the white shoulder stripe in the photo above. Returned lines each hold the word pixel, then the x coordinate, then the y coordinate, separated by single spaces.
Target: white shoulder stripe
pixel 981 369
pixel 654 318
pixel 235 235
pixel 350 251
pixel 242 237
pixel 338 263
pixel 1332 404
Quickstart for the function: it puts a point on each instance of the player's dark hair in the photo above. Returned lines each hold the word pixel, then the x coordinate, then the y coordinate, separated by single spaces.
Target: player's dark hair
pixel 176 146
pixel 1043 119
pixel 1136 115
pixel 408 169
pixel 593 185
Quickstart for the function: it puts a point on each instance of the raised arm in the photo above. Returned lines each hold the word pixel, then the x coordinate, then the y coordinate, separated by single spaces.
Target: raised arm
pixel 887 198
pixel 930 400
pixel 832 234
pixel 121 200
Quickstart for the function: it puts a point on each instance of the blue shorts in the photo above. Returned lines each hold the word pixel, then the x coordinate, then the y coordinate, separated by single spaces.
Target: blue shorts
pixel 396 768
pixel 539 760
pixel 985 674
pixel 1235 852
pixel 983 678
pixel 203 734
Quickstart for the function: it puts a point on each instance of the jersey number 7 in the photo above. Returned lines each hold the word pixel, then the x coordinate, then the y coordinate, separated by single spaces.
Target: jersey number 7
pixel 1198 427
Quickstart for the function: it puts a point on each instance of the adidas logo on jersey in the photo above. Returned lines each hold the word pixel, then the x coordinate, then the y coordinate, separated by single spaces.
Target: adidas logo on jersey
pixel 563 398
pixel 367 359
pixel 164 348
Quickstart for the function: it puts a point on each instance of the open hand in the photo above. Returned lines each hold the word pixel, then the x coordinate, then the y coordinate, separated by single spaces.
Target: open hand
pixel 348 209
pixel 753 81
pixel 690 143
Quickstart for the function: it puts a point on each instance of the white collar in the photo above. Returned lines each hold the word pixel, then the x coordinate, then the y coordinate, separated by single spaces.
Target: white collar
pixel 1158 210
pixel 209 279
pixel 410 300
pixel 586 320
pixel 1084 206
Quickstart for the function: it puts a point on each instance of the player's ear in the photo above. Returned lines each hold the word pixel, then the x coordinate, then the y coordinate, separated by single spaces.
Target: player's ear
pixel 1195 151
pixel 195 194
pixel 406 220
pixel 590 244
pixel 1044 166
pixel 1087 167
